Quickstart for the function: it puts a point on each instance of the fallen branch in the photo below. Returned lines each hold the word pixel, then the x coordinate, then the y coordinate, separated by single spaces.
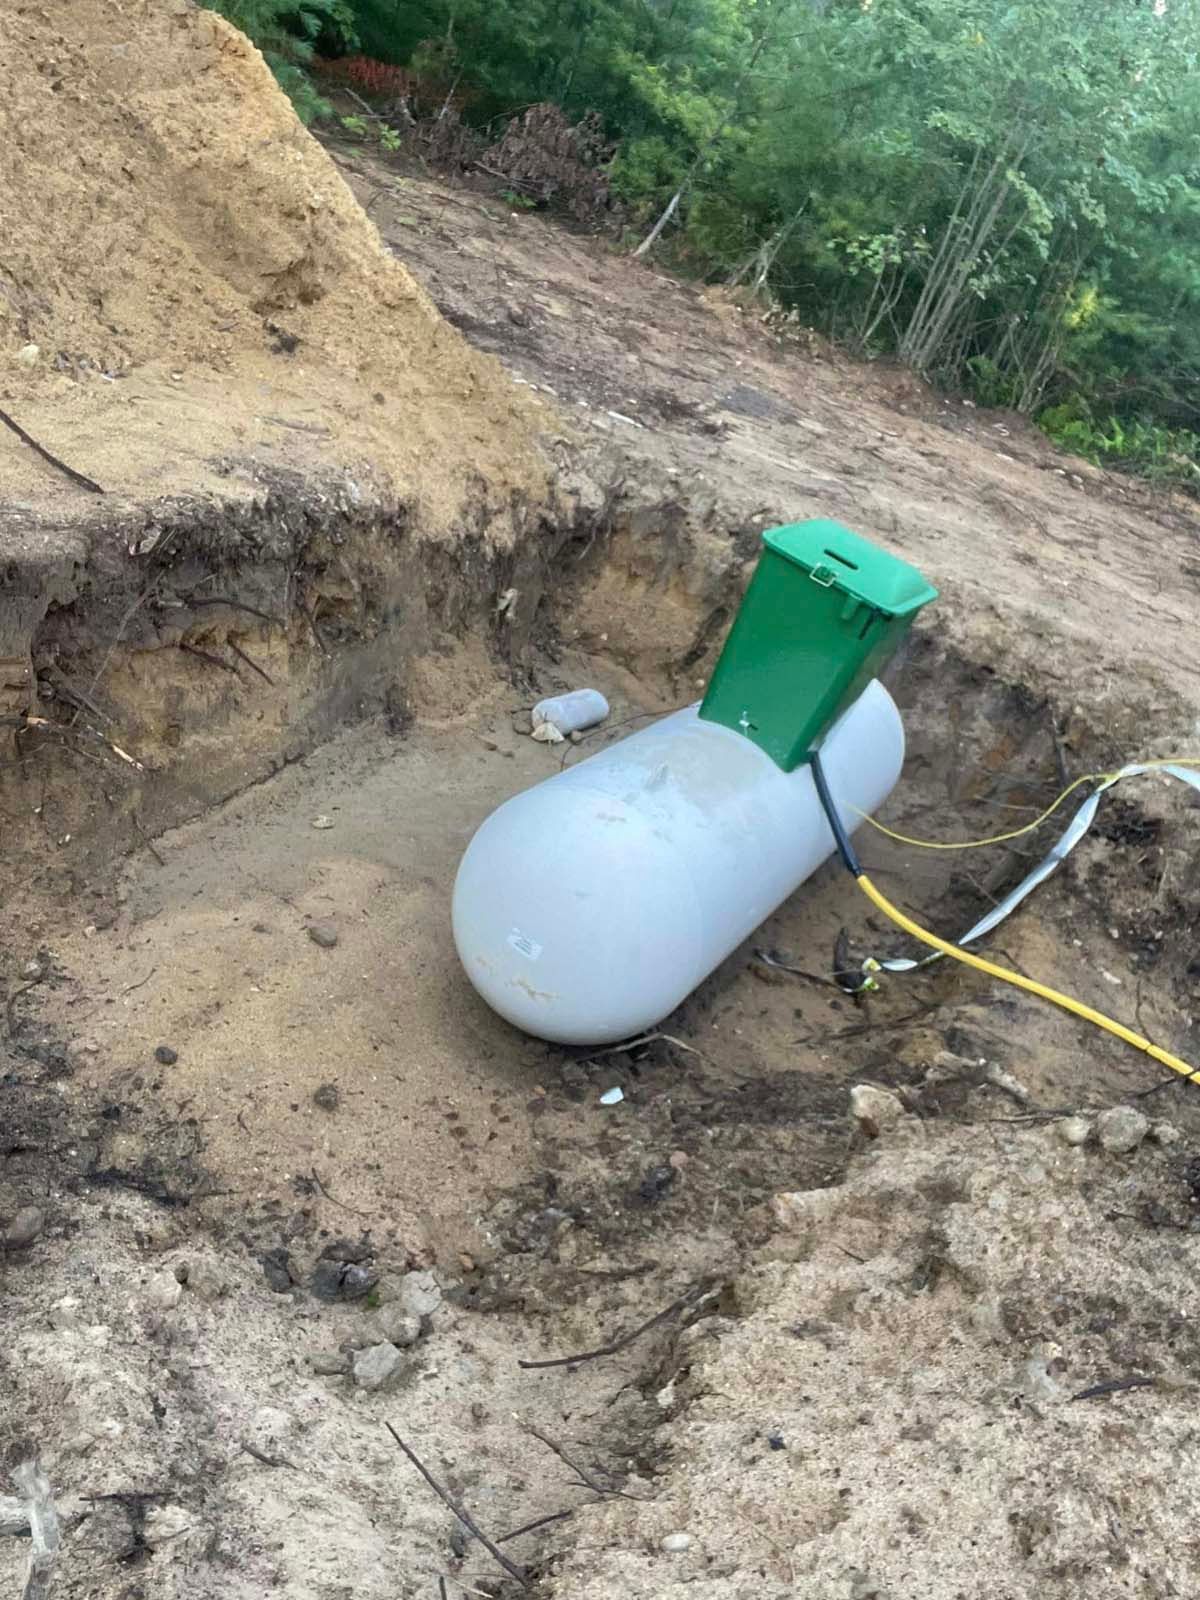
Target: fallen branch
pixel 463 1515
pixel 84 482
pixel 695 1293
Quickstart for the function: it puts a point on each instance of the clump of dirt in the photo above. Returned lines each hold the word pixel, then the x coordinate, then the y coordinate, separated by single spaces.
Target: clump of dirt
pixel 977 1355
pixel 185 274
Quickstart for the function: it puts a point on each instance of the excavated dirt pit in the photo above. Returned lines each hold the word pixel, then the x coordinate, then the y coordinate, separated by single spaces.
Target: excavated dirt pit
pixel 272 1179
pixel 230 1221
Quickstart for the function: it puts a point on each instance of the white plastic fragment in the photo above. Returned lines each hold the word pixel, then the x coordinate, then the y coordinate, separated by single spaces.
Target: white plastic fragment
pixel 569 713
pixel 612 1097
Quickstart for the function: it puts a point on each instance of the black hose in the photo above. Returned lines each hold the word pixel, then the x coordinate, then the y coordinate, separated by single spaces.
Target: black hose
pixel 841 838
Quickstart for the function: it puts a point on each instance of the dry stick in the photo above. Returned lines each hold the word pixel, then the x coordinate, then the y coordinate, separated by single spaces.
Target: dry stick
pixel 45 1535
pixel 1113 1386
pixel 76 477
pixel 310 618
pixel 253 665
pixel 146 839
pixel 696 1292
pixel 14 997
pixel 138 601
pixel 207 655
pixel 539 1522
pixel 643 1038
pixel 333 1201
pixel 585 1478
pixel 463 1515
pixel 141 983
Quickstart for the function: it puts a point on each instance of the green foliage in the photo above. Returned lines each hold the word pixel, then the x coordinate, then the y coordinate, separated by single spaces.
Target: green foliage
pixel 286 31
pixel 1136 445
pixel 1004 193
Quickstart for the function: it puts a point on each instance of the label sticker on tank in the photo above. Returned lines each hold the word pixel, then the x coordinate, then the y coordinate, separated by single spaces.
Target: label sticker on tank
pixel 524 945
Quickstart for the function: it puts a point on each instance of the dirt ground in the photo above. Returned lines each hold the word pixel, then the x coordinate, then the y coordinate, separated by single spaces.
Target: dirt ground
pixel 272 1179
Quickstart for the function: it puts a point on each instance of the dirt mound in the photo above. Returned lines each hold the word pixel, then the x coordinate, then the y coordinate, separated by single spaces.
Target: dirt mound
pixel 920 1390
pixel 186 274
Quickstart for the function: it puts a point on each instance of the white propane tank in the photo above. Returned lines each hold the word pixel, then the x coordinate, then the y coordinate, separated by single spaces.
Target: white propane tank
pixel 587 908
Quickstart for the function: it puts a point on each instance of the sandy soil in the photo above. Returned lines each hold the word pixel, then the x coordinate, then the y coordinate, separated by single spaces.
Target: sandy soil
pixel 189 294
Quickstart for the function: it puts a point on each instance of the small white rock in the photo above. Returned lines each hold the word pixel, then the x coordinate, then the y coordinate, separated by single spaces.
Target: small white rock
pixel 1166 1133
pixel 164 1523
pixel 64 1314
pixel 27 355
pixel 206 1280
pixel 1121 1129
pixel 394 1324
pixel 377 1366
pixel 164 1291
pixel 419 1294
pixel 876 1108
pixel 1074 1130
pixel 676 1543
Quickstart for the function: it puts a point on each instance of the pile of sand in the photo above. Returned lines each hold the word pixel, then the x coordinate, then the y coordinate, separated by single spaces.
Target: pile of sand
pixel 186 282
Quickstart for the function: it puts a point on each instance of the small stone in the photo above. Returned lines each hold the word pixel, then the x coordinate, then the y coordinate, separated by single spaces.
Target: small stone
pixel 323 933
pixel 343 1249
pixel 322 822
pixel 655 1183
pixel 64 1314
pixel 987 1318
pixel 164 1291
pixel 206 1280
pixel 874 1109
pixel 24 1228
pixel 574 1080
pixel 377 1365
pixel 1121 1129
pixel 163 1524
pixel 418 1294
pixel 862 1586
pixel 32 971
pixel 1165 1133
pixel 678 1159
pixel 329 1363
pixel 1038 1381
pixel 676 1543
pixel 28 355
pixel 1074 1130
pixel 326 1097
pixel 342 1280
pixel 277 1269
pixel 165 1056
pixel 392 1324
